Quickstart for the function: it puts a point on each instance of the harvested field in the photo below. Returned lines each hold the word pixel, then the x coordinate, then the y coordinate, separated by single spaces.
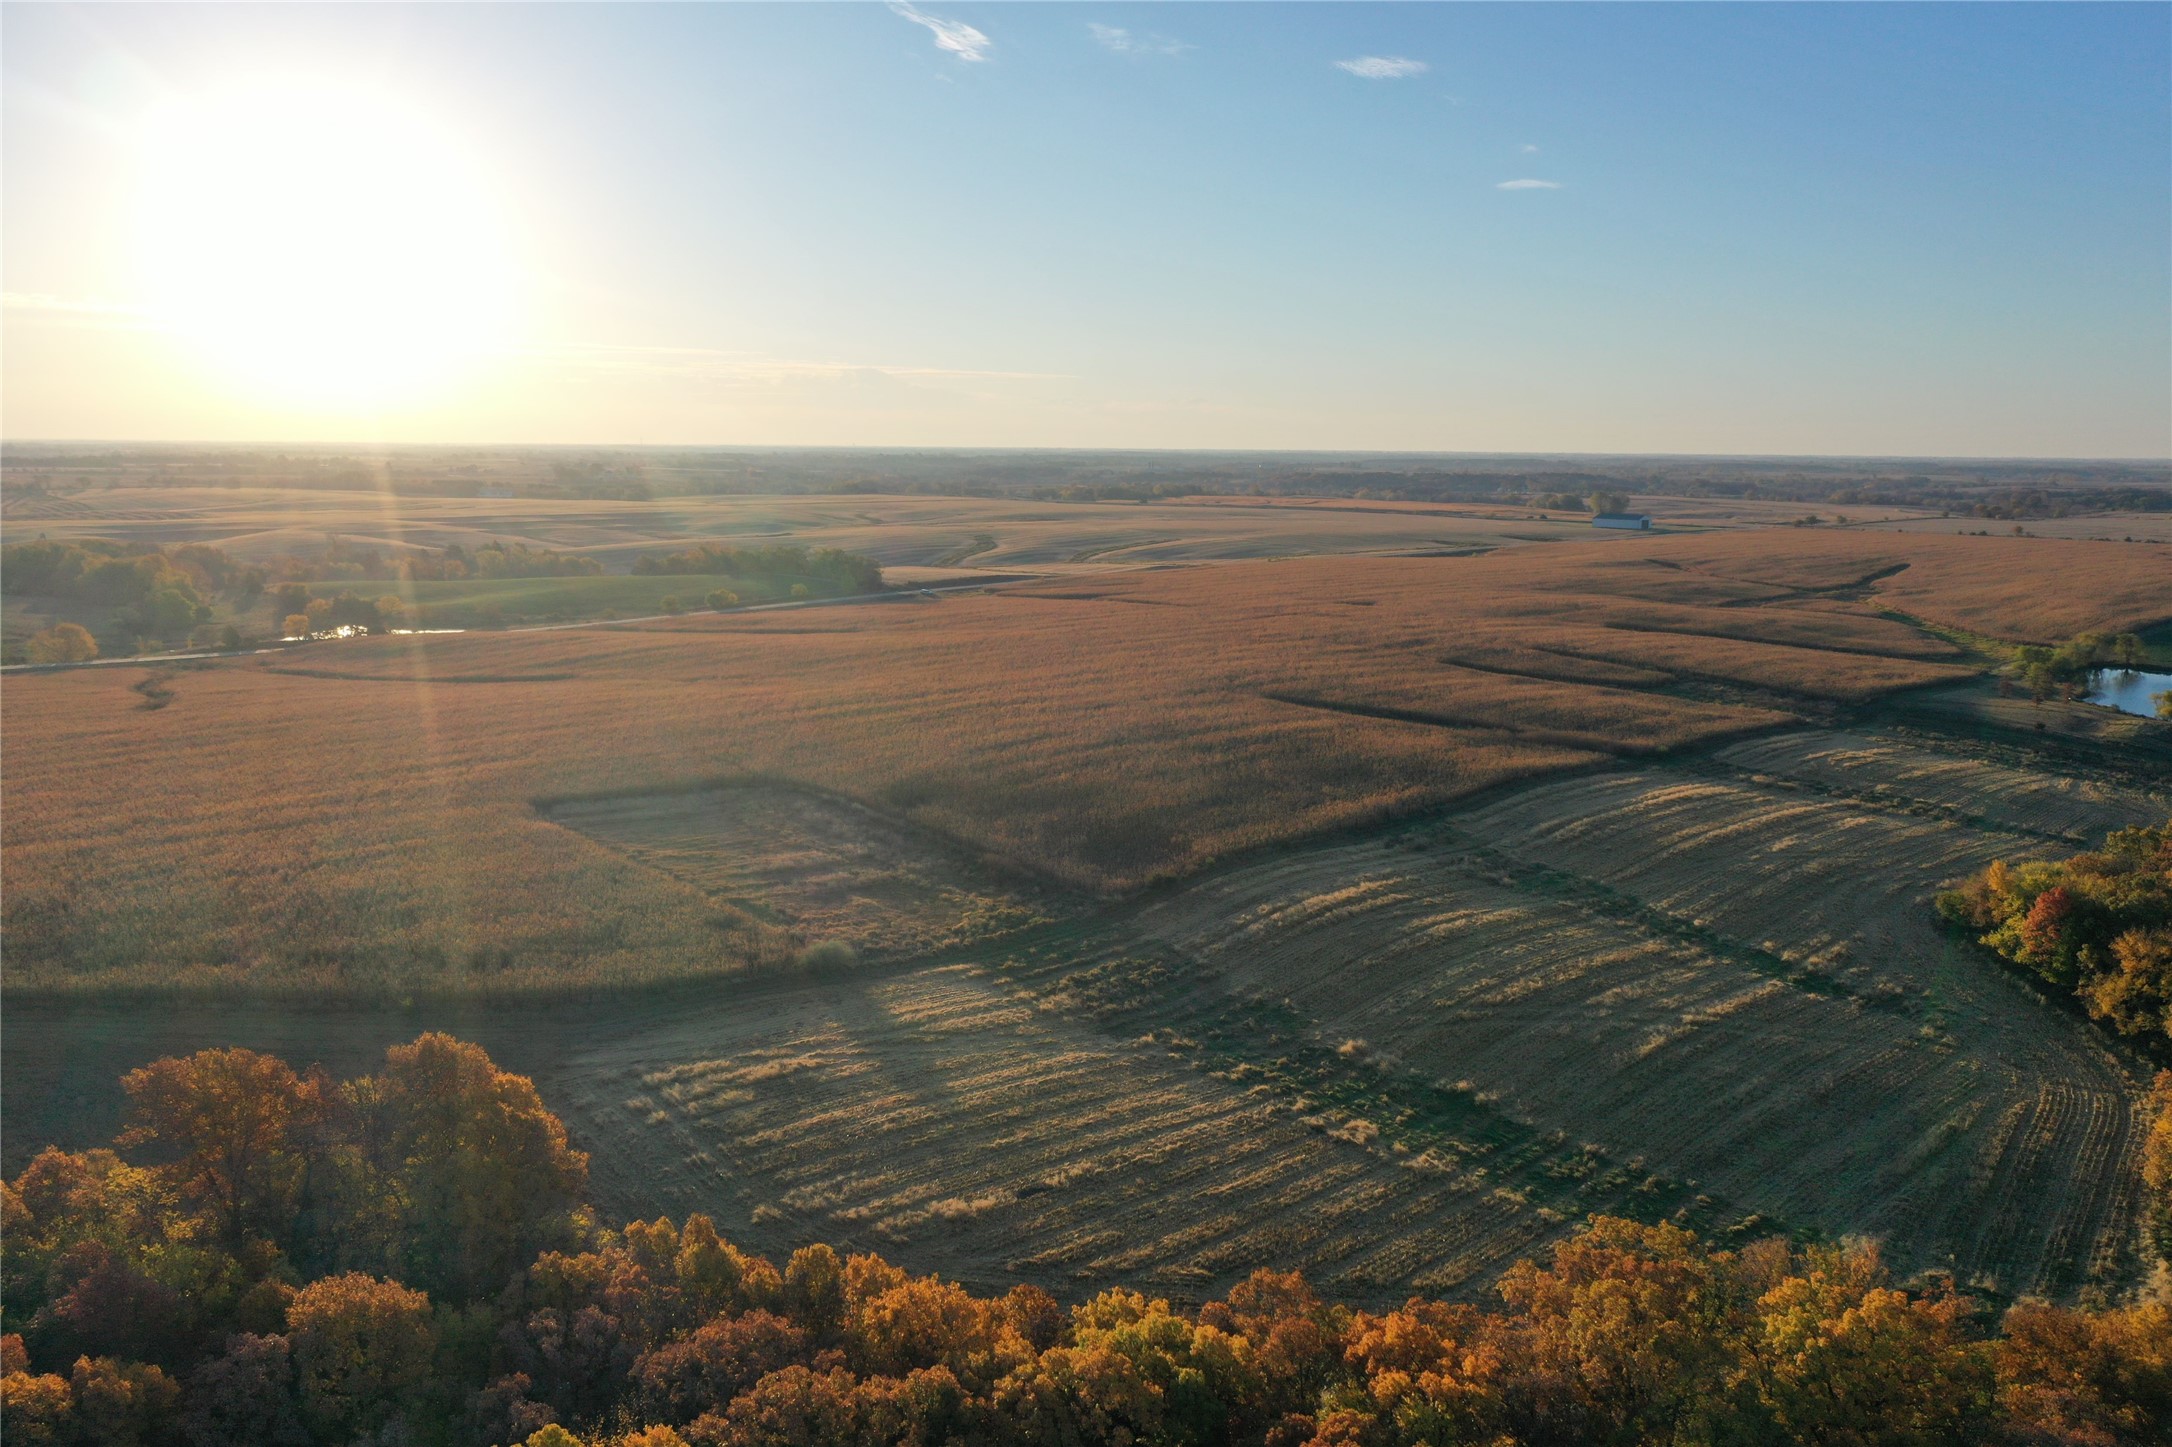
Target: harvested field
pixel 2141 527
pixel 943 1120
pixel 1733 988
pixel 268 829
pixel 1891 773
pixel 1397 1062
pixel 1818 883
pixel 823 869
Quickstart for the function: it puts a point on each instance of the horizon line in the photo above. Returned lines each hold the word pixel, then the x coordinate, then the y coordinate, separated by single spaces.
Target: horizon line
pixel 2104 459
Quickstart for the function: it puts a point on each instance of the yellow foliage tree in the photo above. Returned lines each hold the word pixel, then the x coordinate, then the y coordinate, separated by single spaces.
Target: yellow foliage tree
pixel 359 1346
pixel 62 643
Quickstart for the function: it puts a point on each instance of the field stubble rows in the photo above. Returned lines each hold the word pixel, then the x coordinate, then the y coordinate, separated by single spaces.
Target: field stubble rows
pixel 1397 1062
pixel 1642 991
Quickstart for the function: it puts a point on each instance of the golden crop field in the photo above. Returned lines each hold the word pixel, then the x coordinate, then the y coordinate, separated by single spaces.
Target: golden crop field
pixel 377 817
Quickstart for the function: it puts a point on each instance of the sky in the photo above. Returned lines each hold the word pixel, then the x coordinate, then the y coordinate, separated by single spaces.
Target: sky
pixel 1735 229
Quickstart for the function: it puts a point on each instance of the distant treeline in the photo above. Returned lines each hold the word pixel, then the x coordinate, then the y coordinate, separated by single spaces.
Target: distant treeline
pixel 2017 490
pixel 839 570
pixel 155 593
pixel 409 1258
pixel 344 562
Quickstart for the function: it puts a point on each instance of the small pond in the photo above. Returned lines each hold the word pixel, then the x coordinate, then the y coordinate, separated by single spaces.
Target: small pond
pixel 2128 691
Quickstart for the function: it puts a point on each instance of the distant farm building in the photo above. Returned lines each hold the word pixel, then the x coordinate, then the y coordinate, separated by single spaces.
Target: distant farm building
pixel 1621 520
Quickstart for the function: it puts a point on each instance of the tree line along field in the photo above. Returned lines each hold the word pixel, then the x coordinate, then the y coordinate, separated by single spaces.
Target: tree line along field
pixel 414 1256
pixel 374 818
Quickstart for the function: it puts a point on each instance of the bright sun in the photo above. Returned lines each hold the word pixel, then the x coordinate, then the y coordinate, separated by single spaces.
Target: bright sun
pixel 324 246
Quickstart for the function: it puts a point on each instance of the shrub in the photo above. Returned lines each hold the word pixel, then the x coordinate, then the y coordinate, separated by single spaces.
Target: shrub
pixel 828 955
pixel 62 643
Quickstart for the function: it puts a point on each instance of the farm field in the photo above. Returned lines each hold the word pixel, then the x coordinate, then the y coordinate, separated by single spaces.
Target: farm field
pixel 1397 1060
pixel 828 871
pixel 1891 772
pixel 1730 986
pixel 988 533
pixel 2141 527
pixel 1378 916
pixel 369 818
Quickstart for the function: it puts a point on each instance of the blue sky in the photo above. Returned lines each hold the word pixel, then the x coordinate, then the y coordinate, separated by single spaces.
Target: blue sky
pixel 1854 229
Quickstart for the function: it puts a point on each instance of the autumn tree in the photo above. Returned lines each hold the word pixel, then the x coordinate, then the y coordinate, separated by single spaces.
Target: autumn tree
pixel 123 1404
pixel 922 1322
pixel 234 1117
pixel 1841 1357
pixel 2157 1168
pixel 814 1291
pixel 681 1380
pixel 62 643
pixel 2066 1376
pixel 245 1397
pixel 795 1407
pixel 1619 1338
pixel 361 1346
pixel 36 1408
pixel 481 1173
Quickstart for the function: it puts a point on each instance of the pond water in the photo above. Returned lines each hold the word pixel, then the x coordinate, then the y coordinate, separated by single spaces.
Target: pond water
pixel 2128 691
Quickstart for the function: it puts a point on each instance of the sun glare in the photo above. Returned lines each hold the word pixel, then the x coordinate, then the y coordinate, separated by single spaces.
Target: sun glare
pixel 322 245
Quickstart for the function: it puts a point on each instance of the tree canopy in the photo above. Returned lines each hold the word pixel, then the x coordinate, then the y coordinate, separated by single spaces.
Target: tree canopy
pixel 401 1258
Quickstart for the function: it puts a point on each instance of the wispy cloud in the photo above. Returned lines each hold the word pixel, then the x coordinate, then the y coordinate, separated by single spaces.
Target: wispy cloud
pixel 1123 42
pixel 1383 67
pixel 1527 185
pixel 955 36
pixel 1528 149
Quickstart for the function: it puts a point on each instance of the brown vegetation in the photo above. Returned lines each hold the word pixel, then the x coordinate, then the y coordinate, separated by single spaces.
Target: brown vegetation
pixel 378 831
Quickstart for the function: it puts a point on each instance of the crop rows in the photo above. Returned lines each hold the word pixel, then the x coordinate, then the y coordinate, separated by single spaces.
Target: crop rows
pixel 945 1120
pixel 1737 988
pixel 1887 770
pixel 824 869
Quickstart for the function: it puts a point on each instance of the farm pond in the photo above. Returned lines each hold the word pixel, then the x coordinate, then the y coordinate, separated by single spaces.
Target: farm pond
pixel 2127 690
